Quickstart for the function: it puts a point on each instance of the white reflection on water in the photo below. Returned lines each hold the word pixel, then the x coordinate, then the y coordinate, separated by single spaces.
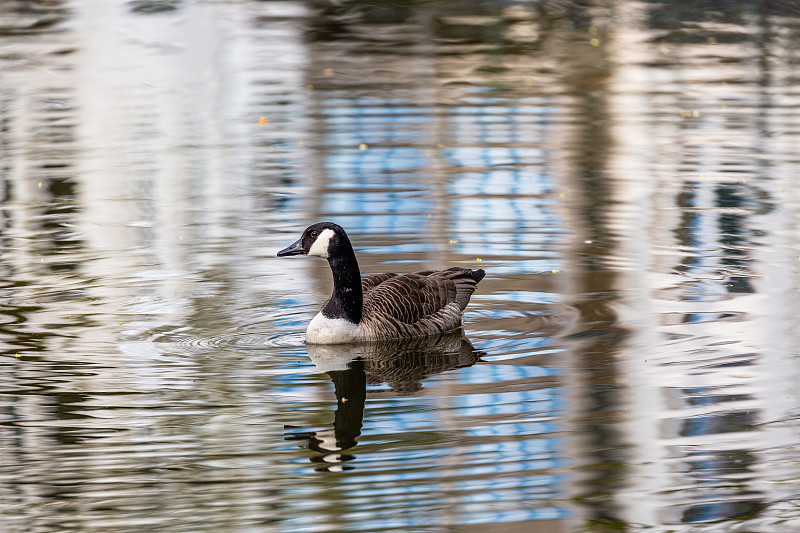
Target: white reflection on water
pixel 625 175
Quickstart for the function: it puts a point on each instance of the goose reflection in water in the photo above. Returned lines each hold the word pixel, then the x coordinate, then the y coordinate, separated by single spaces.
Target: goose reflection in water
pixel 401 365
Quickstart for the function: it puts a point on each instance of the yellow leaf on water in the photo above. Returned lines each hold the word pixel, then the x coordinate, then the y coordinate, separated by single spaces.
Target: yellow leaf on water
pixel 262 121
pixel 478 260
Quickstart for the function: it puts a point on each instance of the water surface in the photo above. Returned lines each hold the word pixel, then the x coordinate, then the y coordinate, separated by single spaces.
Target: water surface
pixel 624 172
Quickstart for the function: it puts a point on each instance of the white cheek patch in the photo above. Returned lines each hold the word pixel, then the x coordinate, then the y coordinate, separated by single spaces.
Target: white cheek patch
pixel 320 246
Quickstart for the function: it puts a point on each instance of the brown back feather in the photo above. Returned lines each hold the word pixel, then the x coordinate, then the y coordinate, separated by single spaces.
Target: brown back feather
pixel 410 298
pixel 370 281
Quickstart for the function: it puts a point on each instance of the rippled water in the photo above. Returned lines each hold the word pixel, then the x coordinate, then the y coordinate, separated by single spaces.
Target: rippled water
pixel 624 172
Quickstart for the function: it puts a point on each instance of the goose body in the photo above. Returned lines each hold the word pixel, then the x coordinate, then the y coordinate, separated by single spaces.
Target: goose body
pixel 379 307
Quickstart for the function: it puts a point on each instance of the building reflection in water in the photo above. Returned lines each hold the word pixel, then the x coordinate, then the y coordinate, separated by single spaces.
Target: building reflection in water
pixel 702 385
pixel 431 150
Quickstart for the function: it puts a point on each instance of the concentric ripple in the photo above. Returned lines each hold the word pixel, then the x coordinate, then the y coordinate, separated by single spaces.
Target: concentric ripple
pixel 238 340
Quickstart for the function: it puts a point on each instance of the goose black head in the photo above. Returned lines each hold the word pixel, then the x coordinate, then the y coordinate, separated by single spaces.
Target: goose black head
pixel 321 239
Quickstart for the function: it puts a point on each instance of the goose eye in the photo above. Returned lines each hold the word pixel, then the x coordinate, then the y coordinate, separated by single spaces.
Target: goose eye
pixel 314 233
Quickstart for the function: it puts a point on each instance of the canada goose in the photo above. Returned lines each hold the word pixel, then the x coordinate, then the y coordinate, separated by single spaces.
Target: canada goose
pixel 381 306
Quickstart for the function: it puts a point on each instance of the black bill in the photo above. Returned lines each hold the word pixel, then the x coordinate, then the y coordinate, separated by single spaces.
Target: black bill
pixel 294 249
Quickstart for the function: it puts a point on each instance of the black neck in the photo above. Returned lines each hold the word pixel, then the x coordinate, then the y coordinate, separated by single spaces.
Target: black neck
pixel 347 299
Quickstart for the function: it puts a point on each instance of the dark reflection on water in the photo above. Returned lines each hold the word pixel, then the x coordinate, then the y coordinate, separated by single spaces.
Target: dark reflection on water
pixel 625 172
pixel 394 367
pixel 601 455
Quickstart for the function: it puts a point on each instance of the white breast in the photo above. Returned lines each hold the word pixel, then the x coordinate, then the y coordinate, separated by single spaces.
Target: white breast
pixel 323 330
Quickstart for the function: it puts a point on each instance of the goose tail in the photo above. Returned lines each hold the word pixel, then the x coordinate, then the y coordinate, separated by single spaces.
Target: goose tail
pixel 477 274
pixel 465 283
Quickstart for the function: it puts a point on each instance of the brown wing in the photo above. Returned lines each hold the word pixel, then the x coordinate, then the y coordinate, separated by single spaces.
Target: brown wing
pixel 420 303
pixel 370 281
pixel 409 297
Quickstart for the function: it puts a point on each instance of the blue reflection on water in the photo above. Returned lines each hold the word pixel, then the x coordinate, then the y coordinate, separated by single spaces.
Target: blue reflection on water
pixel 519 181
pixel 492 188
pixel 484 184
pixel 352 167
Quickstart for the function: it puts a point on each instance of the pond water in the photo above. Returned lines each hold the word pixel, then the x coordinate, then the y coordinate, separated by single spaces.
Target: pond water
pixel 625 172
